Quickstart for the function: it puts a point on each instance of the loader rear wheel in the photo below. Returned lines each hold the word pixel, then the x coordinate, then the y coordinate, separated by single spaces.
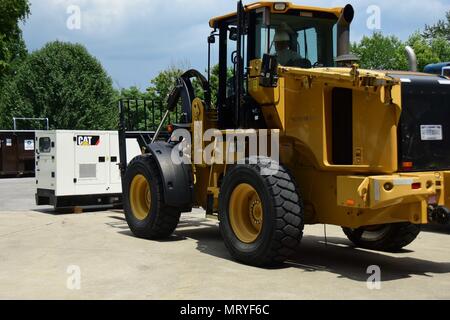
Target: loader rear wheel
pixel 261 217
pixel 146 214
pixel 388 237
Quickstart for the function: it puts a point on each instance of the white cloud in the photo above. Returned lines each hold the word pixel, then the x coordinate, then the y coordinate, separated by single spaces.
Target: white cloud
pixel 102 17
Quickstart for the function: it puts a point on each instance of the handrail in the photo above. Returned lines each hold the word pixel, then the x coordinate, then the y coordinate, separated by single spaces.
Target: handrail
pixel 30 119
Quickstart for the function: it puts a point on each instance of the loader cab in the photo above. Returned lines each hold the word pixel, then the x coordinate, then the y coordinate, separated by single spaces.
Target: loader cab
pixel 251 33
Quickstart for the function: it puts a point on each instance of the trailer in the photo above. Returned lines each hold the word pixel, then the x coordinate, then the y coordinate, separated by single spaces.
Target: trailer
pixel 79 168
pixel 17 153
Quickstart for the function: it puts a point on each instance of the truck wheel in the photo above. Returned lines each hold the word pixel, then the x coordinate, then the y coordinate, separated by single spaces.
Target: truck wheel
pixel 261 217
pixel 146 214
pixel 388 237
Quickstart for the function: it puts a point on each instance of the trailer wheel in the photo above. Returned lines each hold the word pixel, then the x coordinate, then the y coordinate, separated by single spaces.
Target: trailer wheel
pixel 261 217
pixel 388 237
pixel 146 214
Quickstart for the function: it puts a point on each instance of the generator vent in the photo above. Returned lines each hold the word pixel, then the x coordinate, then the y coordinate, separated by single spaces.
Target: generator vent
pixel 88 171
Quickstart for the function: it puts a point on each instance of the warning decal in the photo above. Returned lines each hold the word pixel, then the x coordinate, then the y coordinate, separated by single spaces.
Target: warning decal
pixel 431 133
pixel 88 141
pixel 29 145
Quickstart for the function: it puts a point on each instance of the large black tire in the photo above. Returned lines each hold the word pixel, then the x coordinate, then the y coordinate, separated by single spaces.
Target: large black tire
pixel 281 209
pixel 149 221
pixel 388 238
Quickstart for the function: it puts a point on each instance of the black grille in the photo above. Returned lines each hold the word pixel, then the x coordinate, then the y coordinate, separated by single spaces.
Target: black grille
pixel 424 131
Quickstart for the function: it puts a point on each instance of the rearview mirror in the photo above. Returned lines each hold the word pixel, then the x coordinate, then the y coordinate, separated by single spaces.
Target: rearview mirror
pixel 233 34
pixel 269 71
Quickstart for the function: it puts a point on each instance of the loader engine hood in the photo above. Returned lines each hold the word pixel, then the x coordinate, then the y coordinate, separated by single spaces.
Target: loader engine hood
pixel 424 129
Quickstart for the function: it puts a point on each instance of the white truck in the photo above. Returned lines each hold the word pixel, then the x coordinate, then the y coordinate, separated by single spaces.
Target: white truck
pixel 79 168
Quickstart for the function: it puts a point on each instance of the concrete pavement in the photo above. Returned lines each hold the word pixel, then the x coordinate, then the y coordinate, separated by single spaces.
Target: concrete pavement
pixel 44 255
pixel 39 250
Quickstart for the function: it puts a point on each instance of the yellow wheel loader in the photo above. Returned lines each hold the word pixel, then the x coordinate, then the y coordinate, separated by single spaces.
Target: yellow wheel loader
pixel 365 150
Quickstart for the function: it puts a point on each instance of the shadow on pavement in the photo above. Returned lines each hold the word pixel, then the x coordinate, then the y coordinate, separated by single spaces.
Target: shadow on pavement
pixel 338 256
pixel 71 211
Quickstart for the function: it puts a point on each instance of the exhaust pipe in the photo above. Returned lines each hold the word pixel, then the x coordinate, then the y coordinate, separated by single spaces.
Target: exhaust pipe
pixel 412 59
pixel 343 30
pixel 344 58
pixel 439 215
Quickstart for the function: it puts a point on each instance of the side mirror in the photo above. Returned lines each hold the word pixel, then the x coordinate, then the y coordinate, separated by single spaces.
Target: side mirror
pixel 233 34
pixel 269 71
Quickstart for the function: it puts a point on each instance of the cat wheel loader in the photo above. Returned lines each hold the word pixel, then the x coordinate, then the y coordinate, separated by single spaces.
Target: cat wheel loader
pixel 365 150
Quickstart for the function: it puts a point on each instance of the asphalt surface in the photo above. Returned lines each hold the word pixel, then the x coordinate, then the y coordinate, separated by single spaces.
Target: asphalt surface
pixel 46 255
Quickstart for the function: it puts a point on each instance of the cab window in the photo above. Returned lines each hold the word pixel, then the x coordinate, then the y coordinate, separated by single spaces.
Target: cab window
pixel 299 39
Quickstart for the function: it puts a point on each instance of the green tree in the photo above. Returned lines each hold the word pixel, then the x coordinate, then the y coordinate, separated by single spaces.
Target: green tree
pixel 12 46
pixel 213 82
pixel 429 51
pixel 388 52
pixel 63 82
pixel 423 50
pixel 140 105
pixel 441 47
pixel 158 92
pixel 134 93
pixel 160 89
pixel 381 52
pixel 163 83
pixel 439 30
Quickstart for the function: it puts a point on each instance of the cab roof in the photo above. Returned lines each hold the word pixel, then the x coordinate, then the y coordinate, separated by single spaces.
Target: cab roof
pixel 271 5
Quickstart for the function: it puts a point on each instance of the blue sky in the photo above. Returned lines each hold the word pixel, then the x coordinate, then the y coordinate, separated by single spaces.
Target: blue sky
pixel 135 39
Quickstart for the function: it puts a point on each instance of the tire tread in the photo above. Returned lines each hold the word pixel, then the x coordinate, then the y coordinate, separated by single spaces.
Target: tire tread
pixel 167 218
pixel 289 219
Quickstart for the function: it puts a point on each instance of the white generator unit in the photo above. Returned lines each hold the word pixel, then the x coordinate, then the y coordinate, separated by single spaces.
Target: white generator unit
pixel 79 168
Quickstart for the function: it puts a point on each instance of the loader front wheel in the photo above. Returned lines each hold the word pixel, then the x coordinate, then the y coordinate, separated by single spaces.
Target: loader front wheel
pixel 388 237
pixel 261 216
pixel 146 214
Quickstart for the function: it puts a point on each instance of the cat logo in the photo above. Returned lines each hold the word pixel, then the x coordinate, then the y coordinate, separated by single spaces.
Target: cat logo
pixel 87 141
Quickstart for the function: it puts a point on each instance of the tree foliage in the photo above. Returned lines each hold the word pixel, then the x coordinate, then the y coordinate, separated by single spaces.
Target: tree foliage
pixel 12 46
pixel 134 93
pixel 163 83
pixel 388 52
pixel 427 52
pixel 381 52
pixel 64 83
pixel 439 30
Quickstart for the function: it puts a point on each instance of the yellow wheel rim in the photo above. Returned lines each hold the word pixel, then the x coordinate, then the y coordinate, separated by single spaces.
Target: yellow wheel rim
pixel 140 197
pixel 246 213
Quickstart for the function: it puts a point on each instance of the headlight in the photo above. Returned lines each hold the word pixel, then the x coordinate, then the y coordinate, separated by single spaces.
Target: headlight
pixel 279 6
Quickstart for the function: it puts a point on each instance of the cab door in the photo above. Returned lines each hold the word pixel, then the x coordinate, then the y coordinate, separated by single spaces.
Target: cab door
pixel 46 160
